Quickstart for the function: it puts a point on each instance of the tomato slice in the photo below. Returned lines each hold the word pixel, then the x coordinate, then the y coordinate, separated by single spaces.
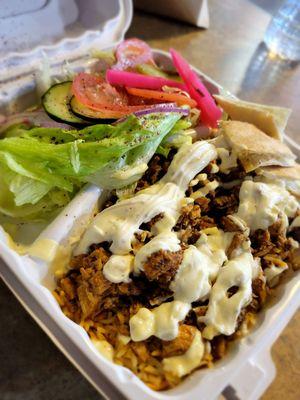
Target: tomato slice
pixel 180 99
pixel 132 52
pixel 95 93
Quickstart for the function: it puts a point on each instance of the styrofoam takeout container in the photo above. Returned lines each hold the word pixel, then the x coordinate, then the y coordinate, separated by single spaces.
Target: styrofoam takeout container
pixel 248 369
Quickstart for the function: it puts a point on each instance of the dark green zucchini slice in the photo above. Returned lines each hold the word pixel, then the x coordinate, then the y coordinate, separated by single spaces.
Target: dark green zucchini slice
pixel 56 104
pixel 93 116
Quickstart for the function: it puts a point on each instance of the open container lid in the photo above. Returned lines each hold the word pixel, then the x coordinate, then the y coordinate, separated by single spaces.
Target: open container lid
pixel 52 32
pixel 73 27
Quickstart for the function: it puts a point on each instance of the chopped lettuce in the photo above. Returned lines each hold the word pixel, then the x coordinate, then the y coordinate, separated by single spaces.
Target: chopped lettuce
pixel 129 168
pixel 42 168
pixel 176 137
pixel 16 130
pixel 27 199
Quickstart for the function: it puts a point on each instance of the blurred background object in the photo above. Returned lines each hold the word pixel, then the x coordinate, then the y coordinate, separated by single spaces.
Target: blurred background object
pixel 50 22
pixel 193 11
pixel 282 36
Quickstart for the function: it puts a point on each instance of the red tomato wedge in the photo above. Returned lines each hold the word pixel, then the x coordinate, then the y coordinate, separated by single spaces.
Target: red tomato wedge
pixel 131 52
pixel 95 93
pixel 210 113
pixel 180 99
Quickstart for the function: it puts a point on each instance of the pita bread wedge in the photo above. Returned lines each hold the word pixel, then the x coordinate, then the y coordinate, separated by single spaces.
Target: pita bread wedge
pixel 289 175
pixel 271 120
pixel 254 148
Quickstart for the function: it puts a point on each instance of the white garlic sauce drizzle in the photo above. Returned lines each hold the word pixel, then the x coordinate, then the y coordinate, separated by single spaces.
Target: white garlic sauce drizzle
pixel 119 223
pixel 205 271
pixel 185 363
pixel 261 204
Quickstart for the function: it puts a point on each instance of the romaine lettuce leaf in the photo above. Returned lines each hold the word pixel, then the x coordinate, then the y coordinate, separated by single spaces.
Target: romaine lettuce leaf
pixel 49 203
pixel 129 168
pixel 175 138
pixel 42 168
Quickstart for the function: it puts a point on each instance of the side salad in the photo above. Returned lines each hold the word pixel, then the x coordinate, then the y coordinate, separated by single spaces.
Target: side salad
pixel 100 127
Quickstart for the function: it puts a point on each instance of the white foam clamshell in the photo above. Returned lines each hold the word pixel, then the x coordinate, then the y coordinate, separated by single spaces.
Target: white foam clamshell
pixel 248 368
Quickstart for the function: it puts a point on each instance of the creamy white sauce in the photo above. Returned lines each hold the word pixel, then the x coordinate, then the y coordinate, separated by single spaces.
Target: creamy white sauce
pixel 273 272
pixel 186 201
pixel 164 241
pixel 228 160
pixel 192 279
pixel 161 322
pixel 124 339
pixel 256 266
pixel 118 268
pixel 104 348
pixel 190 160
pixel 43 249
pixel 210 186
pixel 222 313
pixel 117 224
pixel 214 168
pixel 291 185
pixel 295 223
pixel 261 204
pixel 201 177
pixel 194 182
pixel 165 224
pixel 186 363
pixel 200 264
pixel 213 244
pixel 142 325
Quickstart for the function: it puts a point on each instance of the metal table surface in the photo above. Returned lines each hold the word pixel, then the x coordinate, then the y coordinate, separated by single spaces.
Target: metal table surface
pixel 231 52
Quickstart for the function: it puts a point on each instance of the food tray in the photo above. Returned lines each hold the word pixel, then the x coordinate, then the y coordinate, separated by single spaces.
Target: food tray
pixel 247 369
pixel 32 280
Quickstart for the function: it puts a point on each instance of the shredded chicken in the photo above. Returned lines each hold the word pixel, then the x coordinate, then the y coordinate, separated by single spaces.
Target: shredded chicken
pixel 105 308
pixel 191 222
pixel 182 342
pixel 162 266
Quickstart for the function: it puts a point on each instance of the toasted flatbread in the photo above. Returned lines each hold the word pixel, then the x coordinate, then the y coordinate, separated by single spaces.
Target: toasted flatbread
pixel 289 175
pixel 254 148
pixel 285 173
pixel 269 119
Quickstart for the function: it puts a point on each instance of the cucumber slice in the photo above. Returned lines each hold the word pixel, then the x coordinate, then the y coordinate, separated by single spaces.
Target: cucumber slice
pixel 56 104
pixel 88 114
